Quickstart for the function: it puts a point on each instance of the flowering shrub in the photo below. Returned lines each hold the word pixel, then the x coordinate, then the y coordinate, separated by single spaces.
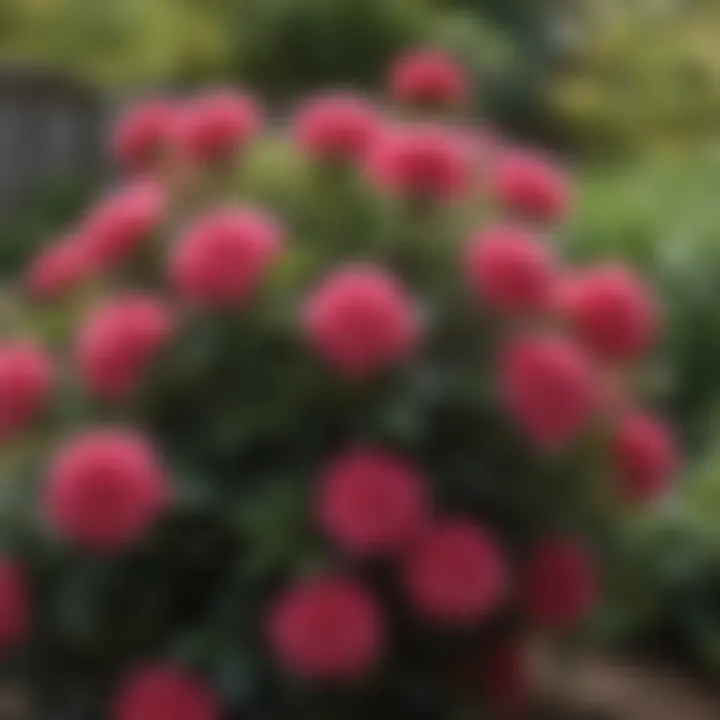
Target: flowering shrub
pixel 334 457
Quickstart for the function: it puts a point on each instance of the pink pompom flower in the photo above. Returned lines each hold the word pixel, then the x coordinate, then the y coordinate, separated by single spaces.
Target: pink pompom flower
pixel 372 502
pixel 548 387
pixel 223 258
pixel 426 162
pixel 360 320
pixel 119 341
pixel 611 311
pixel 15 608
pixel 26 381
pixel 143 133
pixel 562 586
pixel 645 456
pixel 510 270
pixel 327 628
pixel 506 678
pixel 531 187
pixel 337 127
pixel 163 691
pixel 428 78
pixel 114 230
pixel 58 269
pixel 456 574
pixel 105 488
pixel 218 125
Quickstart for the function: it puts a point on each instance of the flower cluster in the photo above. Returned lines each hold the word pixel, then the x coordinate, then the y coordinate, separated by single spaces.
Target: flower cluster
pixel 403 541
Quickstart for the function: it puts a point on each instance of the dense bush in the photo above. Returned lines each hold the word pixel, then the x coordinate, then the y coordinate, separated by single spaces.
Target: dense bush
pixel 334 458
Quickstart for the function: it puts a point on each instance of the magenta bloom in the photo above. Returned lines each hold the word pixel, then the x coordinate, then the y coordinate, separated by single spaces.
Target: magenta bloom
pixel 645 456
pixel 117 227
pixel 105 488
pixel 510 270
pixel 218 125
pixel 562 585
pixel 337 126
pixel 26 380
pixel 548 388
pixel 160 691
pixel 15 606
pixel 143 133
pixel 360 320
pixel 327 628
pixel 119 341
pixel 422 161
pixel 372 502
pixel 58 269
pixel 531 187
pixel 428 77
pixel 612 312
pixel 223 258
pixel 456 574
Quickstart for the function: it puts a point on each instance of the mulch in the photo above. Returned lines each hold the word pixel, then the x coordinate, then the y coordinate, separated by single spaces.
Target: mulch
pixel 610 688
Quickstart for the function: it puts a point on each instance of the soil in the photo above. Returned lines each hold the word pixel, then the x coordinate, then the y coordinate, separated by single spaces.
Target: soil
pixel 606 688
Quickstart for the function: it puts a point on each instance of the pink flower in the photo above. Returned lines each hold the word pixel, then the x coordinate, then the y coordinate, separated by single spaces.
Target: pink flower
pixel 531 187
pixel 456 574
pixel 548 388
pixel 337 127
pixel 118 342
pixel 26 381
pixel 428 77
pixel 562 585
pixel 58 269
pixel 421 161
pixel 216 126
pixel 506 678
pixel 512 271
pixel 372 502
pixel 360 320
pixel 224 257
pixel 15 611
pixel 645 456
pixel 164 692
pixel 116 228
pixel 142 134
pixel 105 489
pixel 327 628
pixel 612 312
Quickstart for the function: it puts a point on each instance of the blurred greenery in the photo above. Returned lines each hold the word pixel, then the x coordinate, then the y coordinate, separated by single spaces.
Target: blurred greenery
pixel 48 211
pixel 279 46
pixel 662 215
pixel 613 76
pixel 639 74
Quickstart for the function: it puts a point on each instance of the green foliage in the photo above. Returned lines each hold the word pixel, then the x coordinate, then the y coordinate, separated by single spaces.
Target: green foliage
pixel 328 41
pixel 133 42
pixel 639 75
pixel 280 47
pixel 663 216
pixel 44 215
pixel 666 588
